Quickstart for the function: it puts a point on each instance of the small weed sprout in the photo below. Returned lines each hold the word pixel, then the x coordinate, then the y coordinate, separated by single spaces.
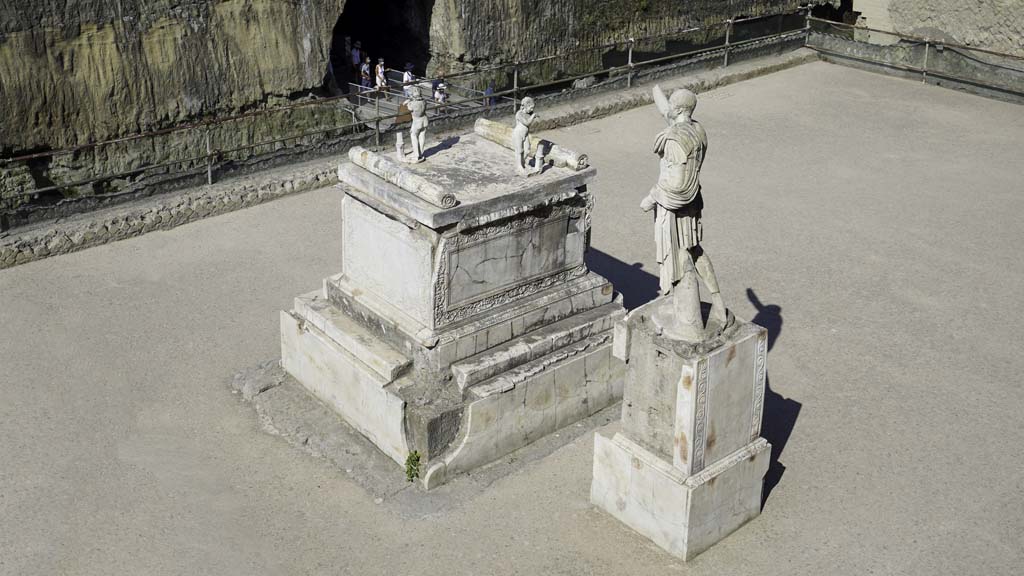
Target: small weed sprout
pixel 412 466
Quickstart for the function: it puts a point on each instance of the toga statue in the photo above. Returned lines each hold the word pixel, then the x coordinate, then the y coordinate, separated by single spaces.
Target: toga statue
pixel 677 202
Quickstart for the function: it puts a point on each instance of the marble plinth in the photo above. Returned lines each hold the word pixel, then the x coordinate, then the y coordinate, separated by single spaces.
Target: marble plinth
pixel 459 333
pixel 687 467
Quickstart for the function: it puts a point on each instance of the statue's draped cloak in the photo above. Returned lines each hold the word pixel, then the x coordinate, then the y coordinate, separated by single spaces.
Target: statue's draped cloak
pixel 679 202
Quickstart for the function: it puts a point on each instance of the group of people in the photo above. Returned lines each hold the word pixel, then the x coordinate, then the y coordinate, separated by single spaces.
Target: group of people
pixel 374 77
pixel 369 76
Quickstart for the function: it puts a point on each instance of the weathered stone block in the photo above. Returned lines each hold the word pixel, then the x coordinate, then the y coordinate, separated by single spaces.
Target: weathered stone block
pixel 688 466
pixel 684 515
pixel 344 383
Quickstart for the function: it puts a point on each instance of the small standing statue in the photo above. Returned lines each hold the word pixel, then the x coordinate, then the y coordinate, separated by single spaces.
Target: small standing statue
pixel 521 142
pixel 418 131
pixel 677 203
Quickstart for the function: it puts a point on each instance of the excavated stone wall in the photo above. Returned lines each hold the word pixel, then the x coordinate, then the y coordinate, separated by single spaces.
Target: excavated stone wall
pixel 477 33
pixel 74 72
pixel 990 24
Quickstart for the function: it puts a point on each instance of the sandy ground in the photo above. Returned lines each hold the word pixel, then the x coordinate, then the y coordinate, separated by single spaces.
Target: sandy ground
pixel 874 220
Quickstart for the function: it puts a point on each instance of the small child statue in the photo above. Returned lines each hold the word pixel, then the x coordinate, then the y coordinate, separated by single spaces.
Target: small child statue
pixel 521 142
pixel 418 131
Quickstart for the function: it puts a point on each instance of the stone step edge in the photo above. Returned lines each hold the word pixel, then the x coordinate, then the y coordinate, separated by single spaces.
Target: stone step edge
pixel 510 379
pixel 358 341
pixel 373 308
pixel 535 344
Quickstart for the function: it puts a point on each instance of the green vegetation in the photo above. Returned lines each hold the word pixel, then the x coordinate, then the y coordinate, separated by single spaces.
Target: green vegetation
pixel 412 466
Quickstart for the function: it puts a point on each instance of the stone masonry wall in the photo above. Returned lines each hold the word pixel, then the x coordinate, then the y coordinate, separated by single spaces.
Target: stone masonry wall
pixel 990 24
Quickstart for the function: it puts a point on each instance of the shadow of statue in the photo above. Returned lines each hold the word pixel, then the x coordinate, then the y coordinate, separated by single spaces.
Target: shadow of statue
pixel 441 146
pixel 780 413
pixel 637 286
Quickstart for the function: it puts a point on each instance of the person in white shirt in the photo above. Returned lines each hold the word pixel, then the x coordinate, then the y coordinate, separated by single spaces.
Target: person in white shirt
pixel 382 81
pixel 408 81
pixel 441 92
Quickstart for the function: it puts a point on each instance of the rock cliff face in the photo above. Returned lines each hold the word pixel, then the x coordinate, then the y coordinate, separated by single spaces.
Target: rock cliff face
pixel 81 71
pixel 479 32
pixel 74 71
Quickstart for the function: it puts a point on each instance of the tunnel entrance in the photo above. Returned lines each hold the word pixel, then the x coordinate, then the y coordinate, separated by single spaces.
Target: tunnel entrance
pixel 843 13
pixel 396 30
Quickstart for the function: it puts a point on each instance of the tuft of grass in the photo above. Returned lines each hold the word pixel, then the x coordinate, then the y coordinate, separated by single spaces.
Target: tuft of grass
pixel 412 466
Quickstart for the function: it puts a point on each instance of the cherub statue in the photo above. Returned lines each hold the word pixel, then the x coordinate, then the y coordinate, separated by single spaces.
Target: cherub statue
pixel 521 142
pixel 677 202
pixel 418 131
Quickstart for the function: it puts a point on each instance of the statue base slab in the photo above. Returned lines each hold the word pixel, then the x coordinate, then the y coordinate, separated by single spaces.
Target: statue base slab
pixel 685 515
pixel 687 467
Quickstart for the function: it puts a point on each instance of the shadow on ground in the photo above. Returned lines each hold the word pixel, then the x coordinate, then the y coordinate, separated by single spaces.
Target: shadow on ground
pixel 636 285
pixel 441 146
pixel 780 413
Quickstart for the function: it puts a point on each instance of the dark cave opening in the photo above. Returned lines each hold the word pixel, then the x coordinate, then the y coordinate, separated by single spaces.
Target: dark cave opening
pixel 843 13
pixel 396 30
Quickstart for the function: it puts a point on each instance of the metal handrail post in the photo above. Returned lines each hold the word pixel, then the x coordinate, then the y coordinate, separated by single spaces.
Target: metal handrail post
pixel 209 159
pixel 924 66
pixel 515 88
pixel 728 35
pixel 377 117
pixel 629 73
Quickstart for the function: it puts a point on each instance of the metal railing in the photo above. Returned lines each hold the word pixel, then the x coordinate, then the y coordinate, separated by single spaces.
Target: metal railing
pixel 466 100
pixel 931 48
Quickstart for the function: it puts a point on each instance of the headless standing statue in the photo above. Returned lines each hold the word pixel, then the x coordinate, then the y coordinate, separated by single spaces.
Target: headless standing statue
pixel 677 202
pixel 418 131
pixel 521 140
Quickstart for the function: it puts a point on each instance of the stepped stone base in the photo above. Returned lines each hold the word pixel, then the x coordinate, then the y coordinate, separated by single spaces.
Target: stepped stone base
pixel 493 402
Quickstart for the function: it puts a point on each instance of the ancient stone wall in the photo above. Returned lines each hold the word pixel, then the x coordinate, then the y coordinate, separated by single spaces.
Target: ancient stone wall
pixel 475 33
pixel 989 24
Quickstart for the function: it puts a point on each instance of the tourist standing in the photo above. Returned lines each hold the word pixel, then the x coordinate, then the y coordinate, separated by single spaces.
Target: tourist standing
pixel 408 81
pixel 441 92
pixel 489 96
pixel 365 79
pixel 357 55
pixel 381 79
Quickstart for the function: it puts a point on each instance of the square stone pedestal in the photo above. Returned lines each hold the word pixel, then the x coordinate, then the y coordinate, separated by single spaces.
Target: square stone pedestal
pixel 461 333
pixel 688 465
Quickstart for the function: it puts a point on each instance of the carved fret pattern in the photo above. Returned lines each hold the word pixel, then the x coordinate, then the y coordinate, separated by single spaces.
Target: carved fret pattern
pixel 759 381
pixel 701 416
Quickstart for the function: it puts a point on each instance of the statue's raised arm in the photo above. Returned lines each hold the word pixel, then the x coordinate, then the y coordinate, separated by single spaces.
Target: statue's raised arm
pixel 677 202
pixel 661 101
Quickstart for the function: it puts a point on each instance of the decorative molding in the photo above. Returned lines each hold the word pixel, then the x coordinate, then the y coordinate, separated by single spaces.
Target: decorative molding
pixel 745 453
pixel 759 383
pixel 444 315
pixel 700 416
